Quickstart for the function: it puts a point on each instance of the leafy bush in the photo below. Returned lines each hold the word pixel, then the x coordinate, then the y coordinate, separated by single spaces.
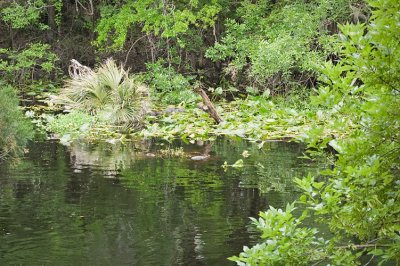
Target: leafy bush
pixel 27 14
pixel 275 45
pixel 285 240
pixel 168 86
pixel 170 20
pixel 15 128
pixel 359 198
pixel 25 68
pixel 108 93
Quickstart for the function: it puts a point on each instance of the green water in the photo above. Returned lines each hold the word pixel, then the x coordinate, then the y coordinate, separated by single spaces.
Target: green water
pixel 145 203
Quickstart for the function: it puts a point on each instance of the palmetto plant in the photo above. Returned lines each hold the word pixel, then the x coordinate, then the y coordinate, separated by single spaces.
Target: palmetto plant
pixel 108 93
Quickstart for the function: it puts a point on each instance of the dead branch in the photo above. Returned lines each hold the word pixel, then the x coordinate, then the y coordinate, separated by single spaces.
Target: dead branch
pixel 77 70
pixel 210 109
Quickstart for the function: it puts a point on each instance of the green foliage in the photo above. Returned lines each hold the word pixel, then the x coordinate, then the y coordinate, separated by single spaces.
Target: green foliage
pixel 109 94
pixel 15 128
pixel 365 84
pixel 29 64
pixel 359 198
pixel 20 16
pixel 270 43
pixel 75 124
pixel 285 242
pixel 168 19
pixel 168 86
pixel 254 118
pixel 25 67
pixel 28 14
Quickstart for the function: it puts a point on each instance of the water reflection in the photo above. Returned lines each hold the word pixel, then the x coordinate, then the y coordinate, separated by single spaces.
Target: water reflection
pixel 114 204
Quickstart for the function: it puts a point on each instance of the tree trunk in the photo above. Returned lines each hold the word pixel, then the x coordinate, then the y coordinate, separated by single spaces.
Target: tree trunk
pixel 51 21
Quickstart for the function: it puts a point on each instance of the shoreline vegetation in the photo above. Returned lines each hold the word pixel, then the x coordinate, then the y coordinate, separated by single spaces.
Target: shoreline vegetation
pixel 254 118
pixel 91 107
pixel 325 73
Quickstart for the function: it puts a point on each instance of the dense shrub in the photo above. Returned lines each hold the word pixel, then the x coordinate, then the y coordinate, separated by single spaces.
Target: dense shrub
pixel 15 128
pixel 276 44
pixel 168 86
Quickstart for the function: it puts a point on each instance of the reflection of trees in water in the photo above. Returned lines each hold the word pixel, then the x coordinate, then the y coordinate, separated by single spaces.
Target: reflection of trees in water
pixel 105 157
pixel 275 166
pixel 202 211
pixel 28 174
pixel 158 210
pixel 111 158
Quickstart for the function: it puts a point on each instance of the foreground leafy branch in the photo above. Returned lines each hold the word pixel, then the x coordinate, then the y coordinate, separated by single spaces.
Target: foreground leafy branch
pixel 359 198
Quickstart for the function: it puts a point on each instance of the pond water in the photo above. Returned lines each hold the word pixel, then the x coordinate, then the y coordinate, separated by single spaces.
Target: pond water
pixel 145 203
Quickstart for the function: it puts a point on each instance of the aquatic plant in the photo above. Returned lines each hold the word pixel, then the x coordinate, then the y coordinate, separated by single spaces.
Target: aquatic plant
pixel 75 123
pixel 253 118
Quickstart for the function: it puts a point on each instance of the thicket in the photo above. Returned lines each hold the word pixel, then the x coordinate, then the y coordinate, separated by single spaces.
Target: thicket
pixel 15 128
pixel 236 47
pixel 277 45
pixel 168 86
pixel 359 198
pixel 240 47
pixel 28 61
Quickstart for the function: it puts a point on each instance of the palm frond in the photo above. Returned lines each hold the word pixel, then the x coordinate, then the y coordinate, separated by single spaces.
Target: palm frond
pixel 108 92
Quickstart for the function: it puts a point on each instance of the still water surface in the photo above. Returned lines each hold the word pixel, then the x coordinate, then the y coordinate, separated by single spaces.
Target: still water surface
pixel 145 203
